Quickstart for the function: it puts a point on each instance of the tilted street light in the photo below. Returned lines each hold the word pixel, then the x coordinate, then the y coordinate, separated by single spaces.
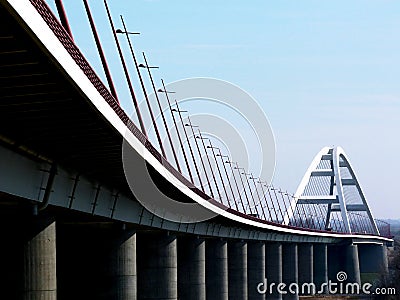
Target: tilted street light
pixel 227 176
pixel 198 150
pixel 219 170
pixel 200 137
pixel 237 186
pixel 160 108
pixel 187 138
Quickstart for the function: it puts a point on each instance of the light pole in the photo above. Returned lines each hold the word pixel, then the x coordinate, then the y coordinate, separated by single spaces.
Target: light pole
pixel 258 195
pixel 237 186
pixel 248 184
pixel 244 187
pixel 229 181
pixel 277 200
pixel 200 137
pixel 177 131
pixel 160 108
pixel 187 138
pixel 201 158
pixel 126 72
pixel 153 120
pixel 219 171
pixel 262 183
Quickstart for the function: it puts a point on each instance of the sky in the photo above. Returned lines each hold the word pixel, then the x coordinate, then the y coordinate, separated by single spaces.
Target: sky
pixel 324 72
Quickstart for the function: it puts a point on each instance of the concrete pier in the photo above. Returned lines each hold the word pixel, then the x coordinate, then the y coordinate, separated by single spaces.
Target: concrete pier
pixel 157 266
pixel 192 268
pixel 352 265
pixel 320 252
pixel 237 270
pixel 216 269
pixel 290 270
pixel 306 268
pixel 255 268
pixel 124 270
pixel 40 261
pixel 273 269
pixel 373 259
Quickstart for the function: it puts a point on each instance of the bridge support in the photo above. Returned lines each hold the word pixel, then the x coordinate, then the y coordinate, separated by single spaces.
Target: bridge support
pixel 373 260
pixel 217 269
pixel 352 264
pixel 344 258
pixel 273 269
pixel 40 261
pixel 124 268
pixel 157 266
pixel 290 270
pixel 237 270
pixel 191 269
pixel 320 253
pixel 306 268
pixel 255 268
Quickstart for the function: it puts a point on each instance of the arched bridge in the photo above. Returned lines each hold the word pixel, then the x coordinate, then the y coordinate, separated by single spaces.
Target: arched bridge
pixel 62 173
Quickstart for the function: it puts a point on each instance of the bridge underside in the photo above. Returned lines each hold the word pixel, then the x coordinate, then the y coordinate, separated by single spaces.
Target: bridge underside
pixel 41 110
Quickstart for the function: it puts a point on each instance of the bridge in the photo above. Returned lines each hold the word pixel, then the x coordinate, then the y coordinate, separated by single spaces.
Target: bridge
pixel 74 227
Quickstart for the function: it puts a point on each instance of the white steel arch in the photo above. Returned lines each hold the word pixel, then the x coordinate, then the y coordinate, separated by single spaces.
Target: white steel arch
pixel 341 174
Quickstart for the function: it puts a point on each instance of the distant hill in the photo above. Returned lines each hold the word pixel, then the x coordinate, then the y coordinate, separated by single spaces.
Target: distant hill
pixel 394 226
pixel 393 222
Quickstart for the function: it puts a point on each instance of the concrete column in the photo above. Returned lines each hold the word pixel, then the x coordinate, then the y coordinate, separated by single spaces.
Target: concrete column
pixel 320 266
pixel 216 270
pixel 373 259
pixel 191 268
pixel 124 266
pixel 344 258
pixel 255 268
pixel 273 269
pixel 237 269
pixel 157 266
pixel 290 270
pixel 306 268
pixel 40 261
pixel 352 265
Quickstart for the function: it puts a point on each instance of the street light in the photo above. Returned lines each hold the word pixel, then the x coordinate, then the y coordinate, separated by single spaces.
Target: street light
pixel 172 110
pixel 135 102
pixel 248 184
pixel 160 108
pixel 237 186
pixel 164 91
pixel 226 173
pixel 219 170
pixel 200 137
pixel 198 149
pixel 262 183
pixel 187 138
pixel 258 195
pixel 125 32
pixel 244 187
pixel 147 67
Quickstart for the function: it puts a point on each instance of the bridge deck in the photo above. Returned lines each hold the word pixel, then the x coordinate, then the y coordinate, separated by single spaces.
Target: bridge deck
pixel 44 112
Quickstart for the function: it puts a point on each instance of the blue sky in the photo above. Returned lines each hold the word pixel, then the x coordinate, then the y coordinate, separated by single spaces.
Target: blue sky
pixel 324 72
